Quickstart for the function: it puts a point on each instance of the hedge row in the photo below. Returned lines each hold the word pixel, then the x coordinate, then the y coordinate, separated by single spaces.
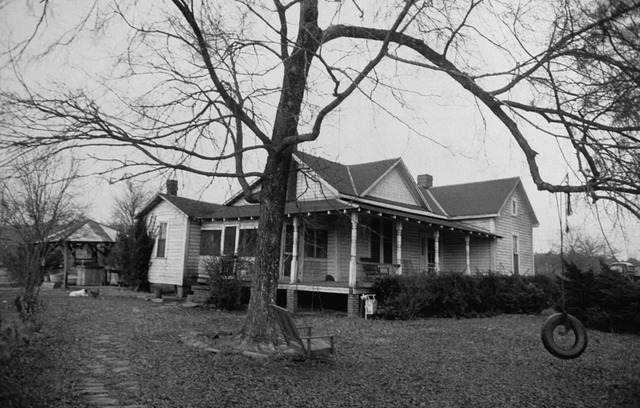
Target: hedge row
pixel 451 294
pixel 603 301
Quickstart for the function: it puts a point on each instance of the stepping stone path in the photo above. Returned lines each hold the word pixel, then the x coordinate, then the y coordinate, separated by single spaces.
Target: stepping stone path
pixel 110 362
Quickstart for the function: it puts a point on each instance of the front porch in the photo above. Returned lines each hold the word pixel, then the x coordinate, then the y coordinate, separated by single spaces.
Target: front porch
pixel 341 249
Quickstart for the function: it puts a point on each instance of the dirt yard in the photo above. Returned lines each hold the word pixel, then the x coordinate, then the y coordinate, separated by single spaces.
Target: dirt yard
pixel 132 352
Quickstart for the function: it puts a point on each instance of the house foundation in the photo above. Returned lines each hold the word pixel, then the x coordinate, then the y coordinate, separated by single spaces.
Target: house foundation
pixel 292 300
pixel 353 305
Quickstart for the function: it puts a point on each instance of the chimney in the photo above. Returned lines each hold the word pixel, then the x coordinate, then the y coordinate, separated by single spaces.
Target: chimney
pixel 172 187
pixel 425 180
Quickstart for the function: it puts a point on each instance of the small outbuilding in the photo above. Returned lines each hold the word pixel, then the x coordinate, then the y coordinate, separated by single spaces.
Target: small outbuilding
pixel 85 247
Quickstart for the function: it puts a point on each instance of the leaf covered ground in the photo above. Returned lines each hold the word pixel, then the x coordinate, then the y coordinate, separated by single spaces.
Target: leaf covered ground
pixel 150 354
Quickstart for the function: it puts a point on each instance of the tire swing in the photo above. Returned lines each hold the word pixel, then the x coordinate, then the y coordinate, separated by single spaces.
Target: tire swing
pixel 555 341
pixel 560 329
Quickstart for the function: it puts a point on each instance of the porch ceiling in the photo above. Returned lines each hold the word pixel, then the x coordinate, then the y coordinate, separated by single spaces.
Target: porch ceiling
pixel 332 205
pixel 424 219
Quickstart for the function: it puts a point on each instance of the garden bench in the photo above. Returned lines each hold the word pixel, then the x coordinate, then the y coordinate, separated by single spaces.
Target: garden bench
pixel 309 345
pixel 373 270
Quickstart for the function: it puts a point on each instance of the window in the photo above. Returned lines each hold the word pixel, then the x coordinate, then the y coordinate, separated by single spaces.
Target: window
pixel 516 255
pixel 161 240
pixel 210 243
pixel 514 207
pixel 229 240
pixel 247 242
pixel 316 242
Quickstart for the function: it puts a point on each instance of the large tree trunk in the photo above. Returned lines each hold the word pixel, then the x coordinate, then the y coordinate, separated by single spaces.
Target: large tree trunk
pixel 259 325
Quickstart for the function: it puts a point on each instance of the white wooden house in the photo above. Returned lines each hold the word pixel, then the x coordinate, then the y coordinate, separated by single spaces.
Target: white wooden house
pixel 345 221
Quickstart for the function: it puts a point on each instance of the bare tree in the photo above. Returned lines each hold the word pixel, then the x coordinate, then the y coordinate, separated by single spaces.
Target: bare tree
pixel 37 201
pixel 129 204
pixel 230 89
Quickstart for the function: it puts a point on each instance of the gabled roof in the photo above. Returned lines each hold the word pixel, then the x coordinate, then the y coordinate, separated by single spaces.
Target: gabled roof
pixel 192 208
pixel 484 198
pixel 87 231
pixel 358 179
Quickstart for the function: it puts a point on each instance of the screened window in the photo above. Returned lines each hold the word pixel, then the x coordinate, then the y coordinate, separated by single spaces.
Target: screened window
pixel 316 242
pixel 210 243
pixel 161 240
pixel 247 242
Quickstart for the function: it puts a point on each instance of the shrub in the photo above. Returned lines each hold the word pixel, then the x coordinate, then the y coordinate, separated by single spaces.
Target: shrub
pixel 405 297
pixel 604 301
pixel 225 283
pixel 131 254
pixel 452 294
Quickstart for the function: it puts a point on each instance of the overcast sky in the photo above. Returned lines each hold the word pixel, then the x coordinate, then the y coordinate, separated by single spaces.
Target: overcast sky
pixel 440 131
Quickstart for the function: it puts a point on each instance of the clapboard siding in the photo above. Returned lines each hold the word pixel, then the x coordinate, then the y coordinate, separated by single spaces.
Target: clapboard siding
pixel 393 187
pixel 170 268
pixel 411 244
pixel 308 188
pixel 508 225
pixel 193 250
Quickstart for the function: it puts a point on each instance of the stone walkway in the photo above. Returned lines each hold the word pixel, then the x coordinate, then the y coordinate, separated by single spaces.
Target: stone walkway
pixel 110 362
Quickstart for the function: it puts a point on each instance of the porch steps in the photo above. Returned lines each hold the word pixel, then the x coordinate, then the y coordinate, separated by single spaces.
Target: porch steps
pixel 200 294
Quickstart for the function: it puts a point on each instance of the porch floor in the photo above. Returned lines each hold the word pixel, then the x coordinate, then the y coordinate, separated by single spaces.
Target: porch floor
pixel 329 287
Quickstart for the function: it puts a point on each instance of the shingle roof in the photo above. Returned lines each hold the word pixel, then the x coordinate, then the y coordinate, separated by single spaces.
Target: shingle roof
pixel 192 208
pixel 472 199
pixel 351 179
pixel 85 231
pixel 293 207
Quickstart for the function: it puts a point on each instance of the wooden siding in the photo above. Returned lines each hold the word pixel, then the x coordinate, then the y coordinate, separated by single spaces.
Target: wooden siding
pixel 170 268
pixel 192 261
pixel 308 188
pixel 454 254
pixel 393 187
pixel 508 225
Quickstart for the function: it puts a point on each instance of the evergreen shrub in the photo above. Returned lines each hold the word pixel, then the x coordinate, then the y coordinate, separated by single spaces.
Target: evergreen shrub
pixel 453 294
pixel 225 281
pixel 605 301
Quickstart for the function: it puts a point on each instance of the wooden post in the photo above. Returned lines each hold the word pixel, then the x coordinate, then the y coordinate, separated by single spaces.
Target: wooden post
pixel 65 271
pixel 436 249
pixel 354 244
pixel 399 246
pixel 294 255
pixel 467 238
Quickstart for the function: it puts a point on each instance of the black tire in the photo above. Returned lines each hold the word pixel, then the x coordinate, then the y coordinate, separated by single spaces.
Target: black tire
pixel 573 324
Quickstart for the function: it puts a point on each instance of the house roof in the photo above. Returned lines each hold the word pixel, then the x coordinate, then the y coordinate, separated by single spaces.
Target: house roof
pixel 291 208
pixel 86 231
pixel 352 179
pixel 192 208
pixel 484 198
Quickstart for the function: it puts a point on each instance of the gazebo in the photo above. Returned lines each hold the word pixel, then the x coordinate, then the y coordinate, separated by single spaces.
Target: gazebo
pixel 85 247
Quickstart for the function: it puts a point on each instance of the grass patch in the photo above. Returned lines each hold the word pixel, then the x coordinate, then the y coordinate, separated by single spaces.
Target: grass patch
pixel 491 362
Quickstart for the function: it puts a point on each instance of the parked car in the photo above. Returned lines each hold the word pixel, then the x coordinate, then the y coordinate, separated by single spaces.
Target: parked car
pixel 627 269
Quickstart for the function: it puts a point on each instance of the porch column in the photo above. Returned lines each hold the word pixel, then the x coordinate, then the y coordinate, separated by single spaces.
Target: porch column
pixel 399 246
pixel 294 255
pixel 236 243
pixel 436 249
pixel 354 244
pixel 467 238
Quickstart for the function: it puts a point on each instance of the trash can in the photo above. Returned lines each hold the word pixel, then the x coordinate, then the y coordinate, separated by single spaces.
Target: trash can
pixel 370 305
